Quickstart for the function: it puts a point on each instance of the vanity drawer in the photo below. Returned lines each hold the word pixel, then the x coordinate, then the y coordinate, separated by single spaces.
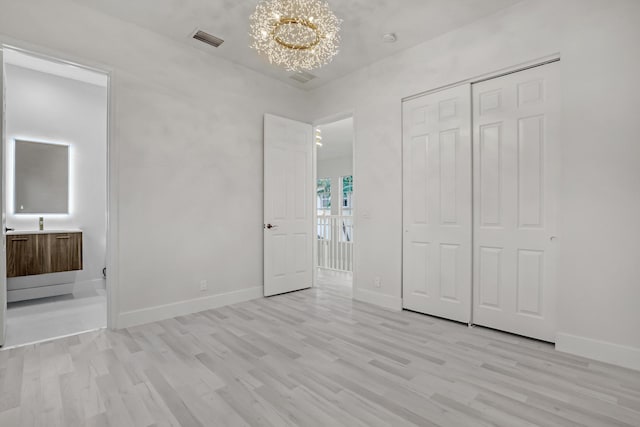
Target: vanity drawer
pixel 23 255
pixel 63 252
pixel 31 254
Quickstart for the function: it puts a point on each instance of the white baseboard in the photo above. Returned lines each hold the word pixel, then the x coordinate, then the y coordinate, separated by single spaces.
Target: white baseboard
pixel 95 283
pixel 628 357
pixel 39 292
pixel 182 308
pixel 376 298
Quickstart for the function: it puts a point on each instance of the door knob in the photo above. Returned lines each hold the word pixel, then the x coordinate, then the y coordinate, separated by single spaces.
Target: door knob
pixel 270 226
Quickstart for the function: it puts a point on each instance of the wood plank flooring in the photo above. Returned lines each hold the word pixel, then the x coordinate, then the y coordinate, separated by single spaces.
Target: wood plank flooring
pixel 311 358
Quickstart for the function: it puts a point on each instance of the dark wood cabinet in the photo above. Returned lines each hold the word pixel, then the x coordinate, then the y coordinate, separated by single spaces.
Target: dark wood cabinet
pixel 31 254
pixel 23 258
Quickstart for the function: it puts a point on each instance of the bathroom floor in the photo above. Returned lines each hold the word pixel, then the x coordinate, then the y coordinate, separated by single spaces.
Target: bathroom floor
pixel 45 318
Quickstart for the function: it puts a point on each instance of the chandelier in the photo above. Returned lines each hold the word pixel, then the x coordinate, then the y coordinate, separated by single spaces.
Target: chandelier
pixel 295 34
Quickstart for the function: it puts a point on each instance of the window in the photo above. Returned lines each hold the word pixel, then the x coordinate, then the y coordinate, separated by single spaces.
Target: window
pixel 323 192
pixel 347 195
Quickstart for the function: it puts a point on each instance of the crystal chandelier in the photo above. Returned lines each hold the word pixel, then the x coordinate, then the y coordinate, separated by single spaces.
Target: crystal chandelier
pixel 295 34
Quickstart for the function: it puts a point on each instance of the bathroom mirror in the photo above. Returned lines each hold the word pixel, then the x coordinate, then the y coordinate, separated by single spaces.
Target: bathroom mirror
pixel 41 178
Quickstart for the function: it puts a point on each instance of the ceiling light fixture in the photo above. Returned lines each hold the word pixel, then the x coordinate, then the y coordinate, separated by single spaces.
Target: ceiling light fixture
pixel 295 34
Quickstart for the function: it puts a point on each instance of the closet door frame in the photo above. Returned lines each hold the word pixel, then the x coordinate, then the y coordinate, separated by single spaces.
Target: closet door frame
pixel 549 59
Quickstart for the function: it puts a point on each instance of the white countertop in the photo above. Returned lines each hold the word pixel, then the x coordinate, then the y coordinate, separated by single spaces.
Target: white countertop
pixel 70 230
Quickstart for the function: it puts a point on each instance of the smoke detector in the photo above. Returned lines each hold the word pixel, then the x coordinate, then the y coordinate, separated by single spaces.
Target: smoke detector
pixel 389 38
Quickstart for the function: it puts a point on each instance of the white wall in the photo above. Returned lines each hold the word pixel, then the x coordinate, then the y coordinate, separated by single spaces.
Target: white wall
pixel 599 277
pixel 339 166
pixel 47 108
pixel 188 140
pixel 335 169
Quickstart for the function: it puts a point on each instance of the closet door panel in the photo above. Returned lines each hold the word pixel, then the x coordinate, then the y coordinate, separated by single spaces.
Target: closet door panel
pixel 437 204
pixel 515 119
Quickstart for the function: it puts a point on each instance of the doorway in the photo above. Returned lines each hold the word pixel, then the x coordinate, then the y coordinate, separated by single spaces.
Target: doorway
pixel 335 203
pixel 55 144
pixel 480 180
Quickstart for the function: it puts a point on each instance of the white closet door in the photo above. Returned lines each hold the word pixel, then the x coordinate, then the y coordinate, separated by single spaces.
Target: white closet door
pixel 516 139
pixel 437 204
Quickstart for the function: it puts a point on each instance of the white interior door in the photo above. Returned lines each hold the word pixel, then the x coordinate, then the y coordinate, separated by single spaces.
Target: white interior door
pixel 288 213
pixel 3 221
pixel 516 142
pixel 437 204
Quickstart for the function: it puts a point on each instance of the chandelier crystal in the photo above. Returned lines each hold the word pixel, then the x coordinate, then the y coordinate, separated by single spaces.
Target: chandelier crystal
pixel 295 34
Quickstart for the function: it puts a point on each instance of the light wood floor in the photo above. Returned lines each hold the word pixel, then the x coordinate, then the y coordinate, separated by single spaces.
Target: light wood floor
pixel 312 358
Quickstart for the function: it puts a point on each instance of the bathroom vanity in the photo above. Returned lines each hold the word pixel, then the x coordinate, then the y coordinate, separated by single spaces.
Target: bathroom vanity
pixel 36 253
pixel 41 252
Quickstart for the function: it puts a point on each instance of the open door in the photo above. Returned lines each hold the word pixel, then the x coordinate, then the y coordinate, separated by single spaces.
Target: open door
pixel 3 221
pixel 288 214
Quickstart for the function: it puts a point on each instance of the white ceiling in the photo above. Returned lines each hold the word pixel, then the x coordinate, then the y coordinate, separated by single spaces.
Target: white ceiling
pixel 365 21
pixel 337 140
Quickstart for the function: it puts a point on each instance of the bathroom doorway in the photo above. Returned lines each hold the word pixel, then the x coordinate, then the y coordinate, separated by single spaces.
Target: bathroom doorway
pixel 335 202
pixel 55 175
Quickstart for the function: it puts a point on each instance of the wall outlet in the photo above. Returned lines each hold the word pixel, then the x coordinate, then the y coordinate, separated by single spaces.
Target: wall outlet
pixel 203 285
pixel 377 282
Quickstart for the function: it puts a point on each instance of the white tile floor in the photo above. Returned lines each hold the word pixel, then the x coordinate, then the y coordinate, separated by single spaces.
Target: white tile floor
pixel 46 318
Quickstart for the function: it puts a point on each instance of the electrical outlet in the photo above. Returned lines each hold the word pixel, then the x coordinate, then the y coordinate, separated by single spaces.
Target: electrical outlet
pixel 377 282
pixel 203 285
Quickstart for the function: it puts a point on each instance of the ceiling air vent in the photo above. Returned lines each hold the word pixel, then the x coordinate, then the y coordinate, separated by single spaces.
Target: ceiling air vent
pixel 208 38
pixel 302 77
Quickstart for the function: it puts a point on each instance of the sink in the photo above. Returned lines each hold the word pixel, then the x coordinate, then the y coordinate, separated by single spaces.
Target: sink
pixel 67 230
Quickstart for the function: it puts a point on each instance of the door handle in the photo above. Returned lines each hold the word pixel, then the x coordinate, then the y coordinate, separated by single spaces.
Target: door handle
pixel 270 226
pixel 8 229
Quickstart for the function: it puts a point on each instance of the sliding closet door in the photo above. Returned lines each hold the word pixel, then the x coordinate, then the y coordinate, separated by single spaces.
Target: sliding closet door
pixel 516 140
pixel 437 204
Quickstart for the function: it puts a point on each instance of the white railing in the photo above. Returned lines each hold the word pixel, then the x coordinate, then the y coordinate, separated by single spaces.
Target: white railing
pixel 335 242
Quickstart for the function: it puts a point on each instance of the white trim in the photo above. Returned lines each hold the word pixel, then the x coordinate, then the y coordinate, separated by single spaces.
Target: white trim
pixel 182 308
pixel 333 118
pixel 490 75
pixel 616 354
pixel 355 206
pixel 113 190
pixel 354 209
pixel 376 298
pixel 314 204
pixel 53 339
pixel 112 281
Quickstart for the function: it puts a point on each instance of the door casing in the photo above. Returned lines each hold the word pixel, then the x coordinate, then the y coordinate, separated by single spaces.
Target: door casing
pixel 112 261
pixel 316 123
